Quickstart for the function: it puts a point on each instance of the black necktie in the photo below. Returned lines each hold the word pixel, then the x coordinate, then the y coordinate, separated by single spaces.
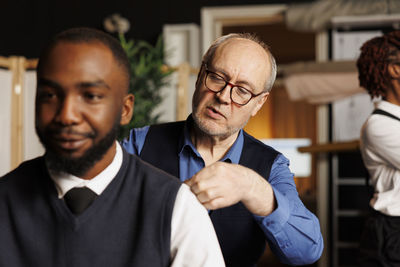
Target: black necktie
pixel 79 198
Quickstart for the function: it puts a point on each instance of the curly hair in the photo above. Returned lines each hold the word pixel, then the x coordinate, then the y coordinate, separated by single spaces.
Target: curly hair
pixel 376 55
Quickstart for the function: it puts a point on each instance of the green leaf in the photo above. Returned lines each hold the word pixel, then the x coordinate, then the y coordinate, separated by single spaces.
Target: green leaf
pixel 147 79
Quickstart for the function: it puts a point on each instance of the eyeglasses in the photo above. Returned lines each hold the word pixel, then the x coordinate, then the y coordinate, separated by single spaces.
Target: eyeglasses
pixel 239 95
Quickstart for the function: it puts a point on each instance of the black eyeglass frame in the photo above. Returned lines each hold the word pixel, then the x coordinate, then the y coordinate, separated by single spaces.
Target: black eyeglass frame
pixel 231 85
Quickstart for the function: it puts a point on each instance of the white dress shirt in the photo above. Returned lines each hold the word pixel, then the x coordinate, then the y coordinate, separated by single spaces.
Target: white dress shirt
pixel 193 239
pixel 380 149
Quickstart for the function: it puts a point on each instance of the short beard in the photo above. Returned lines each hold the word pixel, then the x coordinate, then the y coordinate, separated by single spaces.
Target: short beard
pixel 80 166
pixel 201 124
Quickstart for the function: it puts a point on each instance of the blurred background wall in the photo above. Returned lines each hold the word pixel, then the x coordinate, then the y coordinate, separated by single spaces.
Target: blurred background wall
pixel 26 25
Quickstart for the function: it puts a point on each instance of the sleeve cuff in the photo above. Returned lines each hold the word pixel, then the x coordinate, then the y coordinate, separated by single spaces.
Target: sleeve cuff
pixel 274 222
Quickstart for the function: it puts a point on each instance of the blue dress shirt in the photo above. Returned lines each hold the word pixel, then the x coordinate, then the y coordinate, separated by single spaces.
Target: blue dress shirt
pixel 292 231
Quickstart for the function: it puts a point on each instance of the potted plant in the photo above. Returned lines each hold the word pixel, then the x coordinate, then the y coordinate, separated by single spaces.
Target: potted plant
pixel 148 76
pixel 148 73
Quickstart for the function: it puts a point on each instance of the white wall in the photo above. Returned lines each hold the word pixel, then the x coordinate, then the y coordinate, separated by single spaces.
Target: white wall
pixel 31 146
pixel 5 121
pixel 182 45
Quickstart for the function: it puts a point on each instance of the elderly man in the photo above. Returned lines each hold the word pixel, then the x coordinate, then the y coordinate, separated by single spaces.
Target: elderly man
pixel 87 202
pixel 379 73
pixel 246 186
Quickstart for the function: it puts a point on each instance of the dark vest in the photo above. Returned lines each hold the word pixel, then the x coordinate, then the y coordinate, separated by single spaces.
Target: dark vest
pixel 129 224
pixel 241 239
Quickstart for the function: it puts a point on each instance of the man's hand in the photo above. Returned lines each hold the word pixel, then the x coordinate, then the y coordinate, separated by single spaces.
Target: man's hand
pixel 223 184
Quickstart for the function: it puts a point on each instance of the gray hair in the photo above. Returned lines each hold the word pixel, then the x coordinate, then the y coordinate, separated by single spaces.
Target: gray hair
pixel 248 36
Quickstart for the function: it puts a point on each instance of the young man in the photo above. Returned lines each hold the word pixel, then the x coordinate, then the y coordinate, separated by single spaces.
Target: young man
pixel 379 73
pixel 87 202
pixel 246 185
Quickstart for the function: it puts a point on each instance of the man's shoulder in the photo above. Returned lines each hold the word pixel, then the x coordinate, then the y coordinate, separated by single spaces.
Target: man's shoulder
pixel 167 126
pixel 155 134
pixel 142 132
pixel 23 176
pixel 256 143
pixel 150 173
pixel 25 169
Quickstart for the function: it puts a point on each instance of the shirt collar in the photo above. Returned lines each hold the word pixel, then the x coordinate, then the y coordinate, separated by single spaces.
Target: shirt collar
pixel 233 154
pixel 65 181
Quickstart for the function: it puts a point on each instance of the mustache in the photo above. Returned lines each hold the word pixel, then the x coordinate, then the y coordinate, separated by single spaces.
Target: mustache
pixel 217 108
pixel 70 131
